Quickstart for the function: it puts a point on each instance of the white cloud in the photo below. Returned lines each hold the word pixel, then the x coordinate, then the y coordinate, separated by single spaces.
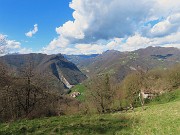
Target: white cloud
pixel 114 43
pixel 8 45
pixel 25 50
pixel 32 32
pixel 131 43
pixel 138 41
pixel 103 19
pixel 112 21
pixel 90 48
pixel 78 49
pixel 170 25
pixel 11 46
pixel 166 7
pixel 172 45
pixel 134 42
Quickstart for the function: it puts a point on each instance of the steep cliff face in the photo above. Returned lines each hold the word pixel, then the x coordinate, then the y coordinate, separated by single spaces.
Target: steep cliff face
pixel 63 70
pixel 62 73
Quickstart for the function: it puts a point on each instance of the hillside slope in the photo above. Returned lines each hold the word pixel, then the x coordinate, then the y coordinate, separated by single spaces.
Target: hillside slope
pixel 61 72
pixel 120 64
pixel 159 119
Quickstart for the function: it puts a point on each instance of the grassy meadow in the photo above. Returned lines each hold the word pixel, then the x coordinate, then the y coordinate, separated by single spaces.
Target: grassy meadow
pixel 79 88
pixel 158 119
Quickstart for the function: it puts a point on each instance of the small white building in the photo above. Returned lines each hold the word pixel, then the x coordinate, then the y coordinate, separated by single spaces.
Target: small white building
pixel 147 95
pixel 75 94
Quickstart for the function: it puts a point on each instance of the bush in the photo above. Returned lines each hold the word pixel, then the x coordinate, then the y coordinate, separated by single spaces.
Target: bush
pixel 155 81
pixel 165 97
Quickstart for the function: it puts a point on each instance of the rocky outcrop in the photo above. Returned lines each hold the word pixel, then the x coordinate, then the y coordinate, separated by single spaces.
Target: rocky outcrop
pixel 62 73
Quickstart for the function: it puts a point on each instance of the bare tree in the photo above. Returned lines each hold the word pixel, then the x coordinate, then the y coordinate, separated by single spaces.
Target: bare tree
pixel 3 47
pixel 100 93
pixel 5 89
pixel 27 93
pixel 131 86
pixel 142 85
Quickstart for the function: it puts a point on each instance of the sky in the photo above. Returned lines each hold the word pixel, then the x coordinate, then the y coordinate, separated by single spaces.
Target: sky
pixel 87 26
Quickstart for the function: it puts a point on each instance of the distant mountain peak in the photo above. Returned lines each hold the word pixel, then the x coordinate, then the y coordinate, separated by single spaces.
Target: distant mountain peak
pixel 120 64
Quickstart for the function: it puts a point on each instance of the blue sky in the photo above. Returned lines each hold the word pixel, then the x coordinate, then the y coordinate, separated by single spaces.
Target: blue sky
pixel 18 17
pixel 87 26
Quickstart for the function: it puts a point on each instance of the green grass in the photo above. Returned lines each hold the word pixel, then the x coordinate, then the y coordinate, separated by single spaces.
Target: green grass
pixel 161 119
pixel 96 124
pixel 166 97
pixel 80 88
pixel 157 119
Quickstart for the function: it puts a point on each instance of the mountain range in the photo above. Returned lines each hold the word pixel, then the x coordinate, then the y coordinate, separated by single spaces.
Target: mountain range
pixel 62 74
pixel 64 71
pixel 119 64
